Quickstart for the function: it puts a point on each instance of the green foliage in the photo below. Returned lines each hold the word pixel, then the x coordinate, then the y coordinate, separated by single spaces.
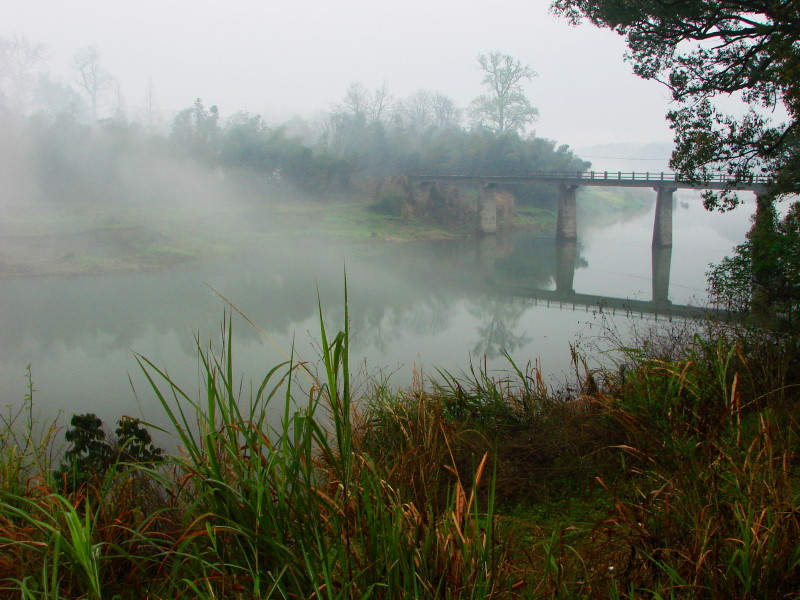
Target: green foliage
pixel 300 509
pixel 763 276
pixel 196 131
pixel 702 50
pixel 391 201
pixel 91 455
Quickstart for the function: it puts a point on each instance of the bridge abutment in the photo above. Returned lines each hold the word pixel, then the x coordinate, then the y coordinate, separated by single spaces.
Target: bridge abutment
pixel 567 223
pixel 487 210
pixel 662 226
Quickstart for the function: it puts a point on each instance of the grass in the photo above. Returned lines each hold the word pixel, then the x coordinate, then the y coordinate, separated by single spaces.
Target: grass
pixel 673 477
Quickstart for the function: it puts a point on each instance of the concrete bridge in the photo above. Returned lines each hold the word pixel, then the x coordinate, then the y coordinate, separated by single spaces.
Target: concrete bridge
pixel 664 184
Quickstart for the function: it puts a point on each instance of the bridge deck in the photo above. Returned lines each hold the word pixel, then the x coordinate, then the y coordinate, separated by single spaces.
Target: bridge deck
pixel 719 181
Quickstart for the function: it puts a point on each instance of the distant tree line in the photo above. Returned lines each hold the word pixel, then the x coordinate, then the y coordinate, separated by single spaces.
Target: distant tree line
pixel 369 134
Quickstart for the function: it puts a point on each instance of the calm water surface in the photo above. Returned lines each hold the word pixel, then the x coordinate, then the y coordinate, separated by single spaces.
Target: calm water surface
pixel 417 304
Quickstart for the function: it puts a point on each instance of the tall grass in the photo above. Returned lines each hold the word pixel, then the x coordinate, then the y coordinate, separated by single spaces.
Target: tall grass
pixel 299 510
pixel 712 509
pixel 291 487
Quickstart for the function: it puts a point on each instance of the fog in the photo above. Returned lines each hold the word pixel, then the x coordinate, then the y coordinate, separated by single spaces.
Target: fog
pixel 221 151
pixel 298 58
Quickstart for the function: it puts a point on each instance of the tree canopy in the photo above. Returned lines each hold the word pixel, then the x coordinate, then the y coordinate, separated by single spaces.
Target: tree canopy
pixel 703 49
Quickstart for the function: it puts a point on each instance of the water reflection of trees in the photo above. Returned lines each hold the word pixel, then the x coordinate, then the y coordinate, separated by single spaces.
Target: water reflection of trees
pixel 394 290
pixel 499 330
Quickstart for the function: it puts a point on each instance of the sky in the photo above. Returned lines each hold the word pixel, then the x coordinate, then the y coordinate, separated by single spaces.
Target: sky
pixel 297 57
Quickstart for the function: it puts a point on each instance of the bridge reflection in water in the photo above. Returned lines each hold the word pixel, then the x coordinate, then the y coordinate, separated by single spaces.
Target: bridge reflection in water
pixel 567 260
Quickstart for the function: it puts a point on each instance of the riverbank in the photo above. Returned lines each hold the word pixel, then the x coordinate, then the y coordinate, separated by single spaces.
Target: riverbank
pixel 674 475
pixel 76 239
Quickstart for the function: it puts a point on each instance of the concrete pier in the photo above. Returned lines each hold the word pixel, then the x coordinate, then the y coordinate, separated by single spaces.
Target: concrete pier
pixel 566 256
pixel 662 226
pixel 662 261
pixel 567 224
pixel 487 210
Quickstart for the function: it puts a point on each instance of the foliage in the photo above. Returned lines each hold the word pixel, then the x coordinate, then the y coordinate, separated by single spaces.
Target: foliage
pixel 92 455
pixel 196 131
pixel 764 273
pixel 711 503
pixel 703 50
pixel 505 108
pixel 300 489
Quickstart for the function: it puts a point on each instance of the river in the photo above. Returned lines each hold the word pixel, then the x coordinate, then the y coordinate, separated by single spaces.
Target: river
pixel 425 304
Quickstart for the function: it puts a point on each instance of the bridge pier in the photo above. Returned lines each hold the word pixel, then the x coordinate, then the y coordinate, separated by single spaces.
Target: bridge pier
pixel 662 261
pixel 487 209
pixel 566 255
pixel 662 226
pixel 567 223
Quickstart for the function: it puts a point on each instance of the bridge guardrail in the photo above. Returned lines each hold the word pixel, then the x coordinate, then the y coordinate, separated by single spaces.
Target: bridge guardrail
pixel 720 177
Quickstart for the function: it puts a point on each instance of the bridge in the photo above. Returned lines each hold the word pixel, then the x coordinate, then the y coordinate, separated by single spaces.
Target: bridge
pixel 664 184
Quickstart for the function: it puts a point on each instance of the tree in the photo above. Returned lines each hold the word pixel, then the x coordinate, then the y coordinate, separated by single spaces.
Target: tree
pixel 363 104
pixel 704 49
pixel 196 131
pixel 764 273
pixel 505 107
pixel 425 110
pixel 19 59
pixel 58 99
pixel 92 79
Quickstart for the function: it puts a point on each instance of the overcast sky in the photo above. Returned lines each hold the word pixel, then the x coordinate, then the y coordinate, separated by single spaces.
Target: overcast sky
pixel 299 56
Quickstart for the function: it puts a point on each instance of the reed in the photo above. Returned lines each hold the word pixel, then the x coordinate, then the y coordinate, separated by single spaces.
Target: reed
pixel 302 510
pixel 711 509
pixel 293 487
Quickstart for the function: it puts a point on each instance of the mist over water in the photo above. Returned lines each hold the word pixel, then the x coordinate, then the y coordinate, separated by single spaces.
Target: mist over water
pixel 424 304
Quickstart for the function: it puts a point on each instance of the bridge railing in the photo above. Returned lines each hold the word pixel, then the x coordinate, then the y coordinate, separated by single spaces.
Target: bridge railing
pixel 719 177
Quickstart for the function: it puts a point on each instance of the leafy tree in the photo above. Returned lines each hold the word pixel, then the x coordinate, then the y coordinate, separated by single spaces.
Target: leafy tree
pixel 704 49
pixel 505 108
pixel 196 130
pixel 91 454
pixel 763 275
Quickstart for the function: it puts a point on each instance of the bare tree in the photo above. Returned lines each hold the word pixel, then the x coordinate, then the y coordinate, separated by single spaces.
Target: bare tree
pixel 19 59
pixel 416 111
pixel 425 110
pixel 361 103
pixel 92 79
pixel 381 103
pixel 445 112
pixel 505 107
